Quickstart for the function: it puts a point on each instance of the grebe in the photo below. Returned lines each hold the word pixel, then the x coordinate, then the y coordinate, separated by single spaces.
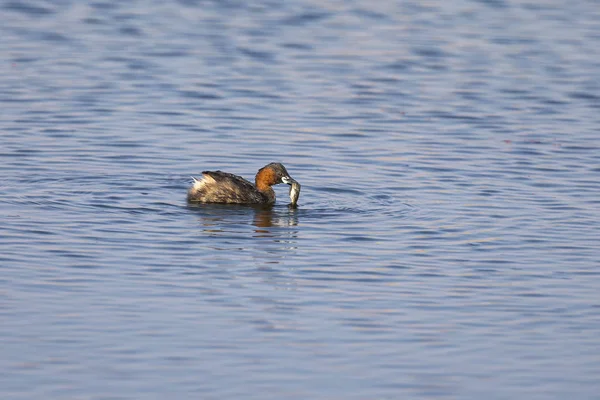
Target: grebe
pixel 222 187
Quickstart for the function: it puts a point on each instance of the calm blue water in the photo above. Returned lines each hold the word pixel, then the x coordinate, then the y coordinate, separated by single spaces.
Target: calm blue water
pixel 446 243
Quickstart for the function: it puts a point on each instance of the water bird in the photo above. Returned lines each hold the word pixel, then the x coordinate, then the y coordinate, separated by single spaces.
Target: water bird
pixel 226 188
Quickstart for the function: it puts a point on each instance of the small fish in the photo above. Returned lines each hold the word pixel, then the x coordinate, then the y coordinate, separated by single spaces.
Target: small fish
pixel 294 192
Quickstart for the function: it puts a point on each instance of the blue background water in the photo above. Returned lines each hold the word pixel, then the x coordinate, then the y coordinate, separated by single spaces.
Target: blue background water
pixel 446 243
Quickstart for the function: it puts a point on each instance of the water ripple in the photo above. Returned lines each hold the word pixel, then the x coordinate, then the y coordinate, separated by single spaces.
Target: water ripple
pixel 448 156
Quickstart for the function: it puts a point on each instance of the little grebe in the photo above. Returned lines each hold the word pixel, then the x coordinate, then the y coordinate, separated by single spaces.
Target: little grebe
pixel 222 187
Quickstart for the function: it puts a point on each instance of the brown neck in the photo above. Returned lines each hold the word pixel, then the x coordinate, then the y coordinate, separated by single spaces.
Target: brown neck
pixel 263 186
pixel 264 179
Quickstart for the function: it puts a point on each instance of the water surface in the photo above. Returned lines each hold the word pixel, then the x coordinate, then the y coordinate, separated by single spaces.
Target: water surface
pixel 446 239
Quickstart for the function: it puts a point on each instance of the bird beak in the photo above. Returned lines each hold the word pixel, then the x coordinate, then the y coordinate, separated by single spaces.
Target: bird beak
pixel 288 180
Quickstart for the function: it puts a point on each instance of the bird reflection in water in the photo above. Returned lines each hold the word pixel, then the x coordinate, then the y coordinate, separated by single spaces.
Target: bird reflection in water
pixel 218 217
pixel 267 218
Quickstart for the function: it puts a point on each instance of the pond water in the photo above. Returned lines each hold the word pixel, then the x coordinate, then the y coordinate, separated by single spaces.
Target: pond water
pixel 446 239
